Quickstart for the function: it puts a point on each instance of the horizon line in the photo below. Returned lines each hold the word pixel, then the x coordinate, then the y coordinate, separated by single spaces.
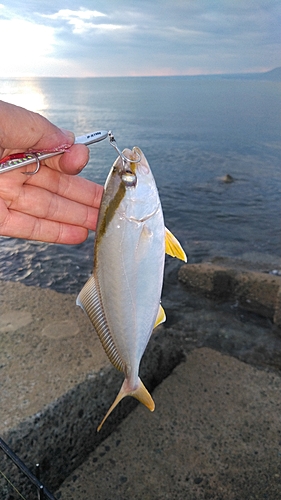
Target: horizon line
pixel 176 75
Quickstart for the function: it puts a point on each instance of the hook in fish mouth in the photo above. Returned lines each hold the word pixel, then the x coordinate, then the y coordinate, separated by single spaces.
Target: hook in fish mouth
pixel 125 159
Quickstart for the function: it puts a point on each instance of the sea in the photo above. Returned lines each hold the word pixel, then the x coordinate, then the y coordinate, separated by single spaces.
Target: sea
pixel 194 131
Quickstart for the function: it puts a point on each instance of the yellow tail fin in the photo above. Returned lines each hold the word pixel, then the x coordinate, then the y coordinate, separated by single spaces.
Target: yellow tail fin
pixel 140 393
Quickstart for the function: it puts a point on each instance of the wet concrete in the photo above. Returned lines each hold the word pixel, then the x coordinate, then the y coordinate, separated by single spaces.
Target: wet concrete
pixel 58 384
pixel 238 281
pixel 215 434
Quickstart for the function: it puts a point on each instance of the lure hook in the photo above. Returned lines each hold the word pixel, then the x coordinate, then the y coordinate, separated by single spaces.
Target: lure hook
pixel 122 156
pixel 37 165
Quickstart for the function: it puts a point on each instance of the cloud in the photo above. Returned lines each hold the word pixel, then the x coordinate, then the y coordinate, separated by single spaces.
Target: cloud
pixel 150 37
pixel 69 14
pixel 80 20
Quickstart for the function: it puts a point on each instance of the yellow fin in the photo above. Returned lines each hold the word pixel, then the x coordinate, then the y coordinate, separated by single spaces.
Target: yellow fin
pixel 140 393
pixel 173 247
pixel 161 316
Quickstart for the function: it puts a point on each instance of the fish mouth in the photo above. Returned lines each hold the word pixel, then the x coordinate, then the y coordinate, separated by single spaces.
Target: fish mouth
pixel 123 155
pixel 128 158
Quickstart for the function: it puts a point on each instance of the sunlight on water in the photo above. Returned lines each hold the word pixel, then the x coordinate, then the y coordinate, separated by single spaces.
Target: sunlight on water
pixel 25 93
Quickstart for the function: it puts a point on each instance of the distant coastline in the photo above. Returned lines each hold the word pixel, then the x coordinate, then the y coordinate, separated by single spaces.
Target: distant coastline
pixel 273 75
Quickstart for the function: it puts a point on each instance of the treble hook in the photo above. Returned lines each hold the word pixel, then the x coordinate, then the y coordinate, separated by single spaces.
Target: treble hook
pixel 122 156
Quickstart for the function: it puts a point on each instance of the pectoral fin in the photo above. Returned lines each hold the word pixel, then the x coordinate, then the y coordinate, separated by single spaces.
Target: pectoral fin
pixel 161 316
pixel 173 247
pixel 140 393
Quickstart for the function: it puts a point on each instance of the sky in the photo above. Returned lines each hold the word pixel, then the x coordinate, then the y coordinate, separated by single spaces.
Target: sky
pixel 85 38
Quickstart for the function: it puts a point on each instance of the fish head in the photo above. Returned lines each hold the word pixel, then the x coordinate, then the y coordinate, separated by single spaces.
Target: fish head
pixel 131 184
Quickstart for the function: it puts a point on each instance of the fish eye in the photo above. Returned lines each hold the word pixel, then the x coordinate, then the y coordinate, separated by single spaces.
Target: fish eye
pixel 129 179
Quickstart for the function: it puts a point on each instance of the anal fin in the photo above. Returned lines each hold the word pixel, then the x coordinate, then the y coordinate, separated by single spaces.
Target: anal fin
pixel 161 316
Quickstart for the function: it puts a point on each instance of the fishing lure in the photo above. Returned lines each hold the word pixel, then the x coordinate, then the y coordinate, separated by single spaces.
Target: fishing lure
pixel 17 160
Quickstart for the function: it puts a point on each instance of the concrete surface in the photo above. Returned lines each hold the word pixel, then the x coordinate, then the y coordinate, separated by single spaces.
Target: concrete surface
pixel 56 385
pixel 224 280
pixel 215 434
pixel 46 347
pixel 56 381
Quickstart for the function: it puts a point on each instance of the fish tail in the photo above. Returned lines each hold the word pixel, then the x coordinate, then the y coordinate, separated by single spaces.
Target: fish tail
pixel 140 393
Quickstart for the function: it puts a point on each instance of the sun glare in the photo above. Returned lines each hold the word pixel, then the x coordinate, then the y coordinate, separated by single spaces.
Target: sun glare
pixel 25 93
pixel 26 46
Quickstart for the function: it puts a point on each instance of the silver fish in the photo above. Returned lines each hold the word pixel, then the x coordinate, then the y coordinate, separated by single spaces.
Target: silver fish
pixel 122 296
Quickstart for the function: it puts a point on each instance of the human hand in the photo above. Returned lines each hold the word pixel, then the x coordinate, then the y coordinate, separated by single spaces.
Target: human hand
pixel 54 205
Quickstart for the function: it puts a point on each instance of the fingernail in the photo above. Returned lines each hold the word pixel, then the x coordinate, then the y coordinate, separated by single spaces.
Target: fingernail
pixel 80 168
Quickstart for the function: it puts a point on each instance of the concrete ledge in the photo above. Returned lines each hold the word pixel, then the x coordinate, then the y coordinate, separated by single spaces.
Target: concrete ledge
pixel 57 383
pixel 254 291
pixel 215 434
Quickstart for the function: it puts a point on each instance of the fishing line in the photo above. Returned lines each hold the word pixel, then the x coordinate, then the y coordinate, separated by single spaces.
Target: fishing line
pixel 124 158
pixel 11 484
pixel 42 490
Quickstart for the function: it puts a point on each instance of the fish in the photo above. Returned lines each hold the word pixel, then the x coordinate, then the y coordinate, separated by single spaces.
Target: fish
pixel 122 297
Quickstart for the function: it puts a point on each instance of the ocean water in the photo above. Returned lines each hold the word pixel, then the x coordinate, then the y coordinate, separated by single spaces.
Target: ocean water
pixel 193 131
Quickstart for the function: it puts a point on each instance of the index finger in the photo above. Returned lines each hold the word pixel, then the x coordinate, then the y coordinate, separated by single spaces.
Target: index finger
pixel 22 129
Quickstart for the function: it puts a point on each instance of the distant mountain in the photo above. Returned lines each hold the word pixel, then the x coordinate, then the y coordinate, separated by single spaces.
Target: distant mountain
pixel 273 75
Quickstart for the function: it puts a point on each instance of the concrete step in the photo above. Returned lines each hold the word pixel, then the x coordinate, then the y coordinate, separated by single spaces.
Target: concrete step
pixel 255 287
pixel 57 383
pixel 215 434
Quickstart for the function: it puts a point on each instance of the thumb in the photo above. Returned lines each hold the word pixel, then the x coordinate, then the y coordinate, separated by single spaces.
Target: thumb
pixel 22 129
